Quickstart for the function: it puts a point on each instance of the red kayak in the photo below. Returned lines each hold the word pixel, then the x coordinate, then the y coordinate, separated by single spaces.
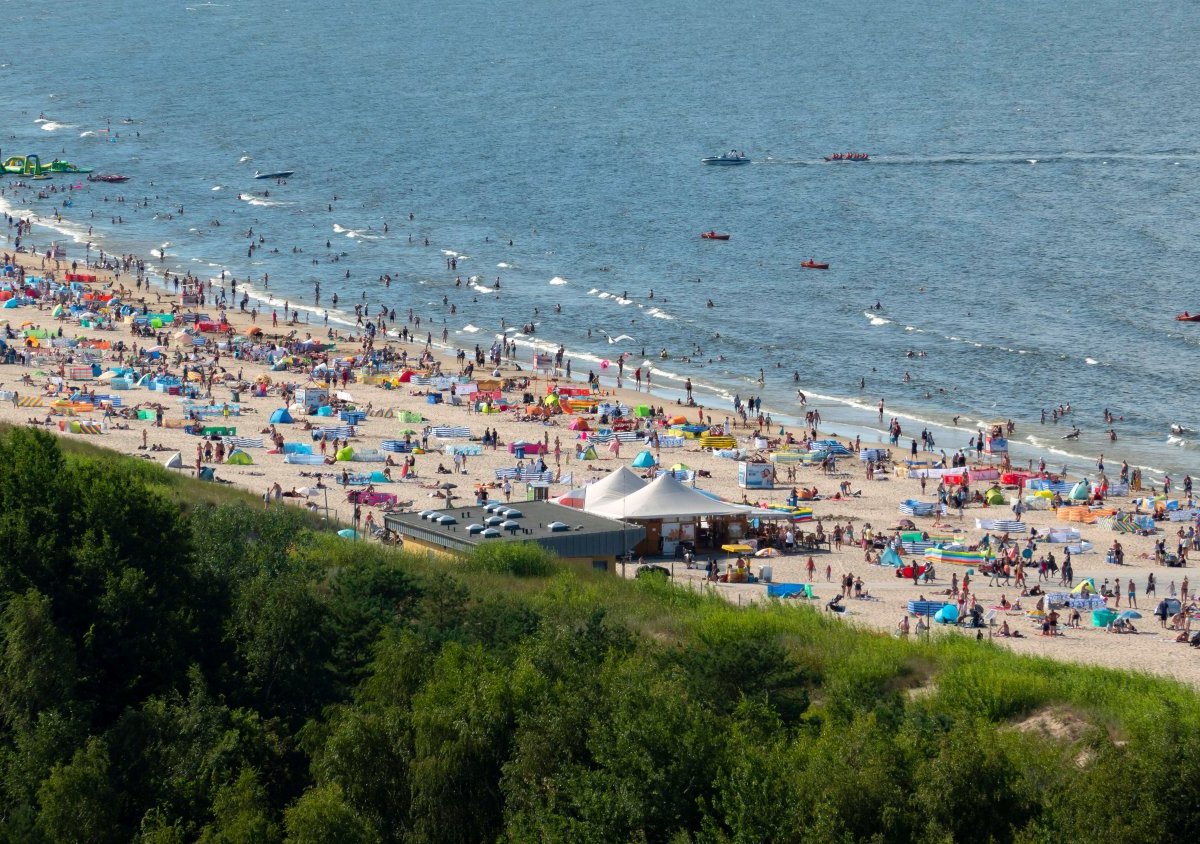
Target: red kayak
pixel 810 264
pixel 714 236
pixel 1186 317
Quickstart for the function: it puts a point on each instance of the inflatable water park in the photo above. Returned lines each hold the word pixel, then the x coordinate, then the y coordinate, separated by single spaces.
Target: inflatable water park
pixel 31 165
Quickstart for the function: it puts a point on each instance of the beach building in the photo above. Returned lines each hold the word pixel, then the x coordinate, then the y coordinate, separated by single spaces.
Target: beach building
pixel 579 538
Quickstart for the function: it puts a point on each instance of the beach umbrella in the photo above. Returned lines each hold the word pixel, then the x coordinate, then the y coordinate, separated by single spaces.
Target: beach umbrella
pixel 738 548
pixel 408 431
pixel 107 376
pixel 1130 614
pixel 681 467
pixel 447 485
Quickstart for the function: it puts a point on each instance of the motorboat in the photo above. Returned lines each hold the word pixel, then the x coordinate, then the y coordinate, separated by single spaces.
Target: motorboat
pixel 852 157
pixel 1186 317
pixel 280 174
pixel 727 158
pixel 714 236
pixel 111 178
pixel 810 264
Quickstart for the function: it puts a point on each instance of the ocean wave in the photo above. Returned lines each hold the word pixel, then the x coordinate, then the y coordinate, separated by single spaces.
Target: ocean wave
pixel 51 126
pixel 558 280
pixel 263 202
pixel 469 329
pixel 1090 361
pixel 504 265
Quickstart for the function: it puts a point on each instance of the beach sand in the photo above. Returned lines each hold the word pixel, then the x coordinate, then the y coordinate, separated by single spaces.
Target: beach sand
pixel 1153 650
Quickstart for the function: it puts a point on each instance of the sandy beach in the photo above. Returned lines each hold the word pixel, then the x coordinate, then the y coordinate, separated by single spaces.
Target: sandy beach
pixel 875 501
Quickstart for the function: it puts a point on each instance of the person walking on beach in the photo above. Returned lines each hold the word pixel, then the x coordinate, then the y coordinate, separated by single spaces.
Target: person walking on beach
pixel 1132 594
pixel 811 566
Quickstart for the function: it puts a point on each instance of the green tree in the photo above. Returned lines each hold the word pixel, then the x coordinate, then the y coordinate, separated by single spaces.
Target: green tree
pixel 77 800
pixel 37 664
pixel 241 814
pixel 322 815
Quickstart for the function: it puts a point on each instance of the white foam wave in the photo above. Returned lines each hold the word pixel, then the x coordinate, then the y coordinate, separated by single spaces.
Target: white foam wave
pixel 87 134
pixel 558 280
pixel 51 126
pixel 243 159
pixel 1090 361
pixel 657 313
pixel 251 199
pixel 504 266
pixel 878 320
pixel 216 187
pixel 470 329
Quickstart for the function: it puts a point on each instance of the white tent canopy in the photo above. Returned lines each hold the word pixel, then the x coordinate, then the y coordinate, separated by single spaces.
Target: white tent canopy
pixel 612 487
pixel 666 498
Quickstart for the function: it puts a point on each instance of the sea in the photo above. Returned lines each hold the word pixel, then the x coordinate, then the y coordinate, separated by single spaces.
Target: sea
pixel 1027 223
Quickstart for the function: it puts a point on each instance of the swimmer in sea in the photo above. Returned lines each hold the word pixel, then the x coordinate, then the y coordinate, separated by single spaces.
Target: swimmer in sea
pixel 803 398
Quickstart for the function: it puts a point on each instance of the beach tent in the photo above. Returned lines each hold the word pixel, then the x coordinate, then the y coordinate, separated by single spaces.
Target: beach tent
pixel 947 614
pixel 666 498
pixel 645 460
pixel 891 558
pixel 346 453
pixel 589 453
pixel 1080 491
pixel 612 487
pixel 1091 585
pixel 579 424
pixel 994 496
pixel 281 416
pixel 175 461
pixel 572 498
pixel 239 458
pixel 208 473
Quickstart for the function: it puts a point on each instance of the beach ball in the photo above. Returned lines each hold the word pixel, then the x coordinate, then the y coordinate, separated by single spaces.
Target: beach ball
pixel 605 364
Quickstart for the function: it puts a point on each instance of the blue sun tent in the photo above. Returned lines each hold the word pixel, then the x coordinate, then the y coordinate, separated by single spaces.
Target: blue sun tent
pixel 645 460
pixel 281 416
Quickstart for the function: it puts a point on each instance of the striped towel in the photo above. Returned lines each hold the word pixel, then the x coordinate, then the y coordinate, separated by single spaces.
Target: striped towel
pixel 449 432
pixel 243 442
pixel 396 446
pixel 1000 525
pixel 334 432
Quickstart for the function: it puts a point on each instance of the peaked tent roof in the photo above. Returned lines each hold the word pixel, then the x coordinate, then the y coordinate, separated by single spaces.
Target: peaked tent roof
pixel 666 497
pixel 612 487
